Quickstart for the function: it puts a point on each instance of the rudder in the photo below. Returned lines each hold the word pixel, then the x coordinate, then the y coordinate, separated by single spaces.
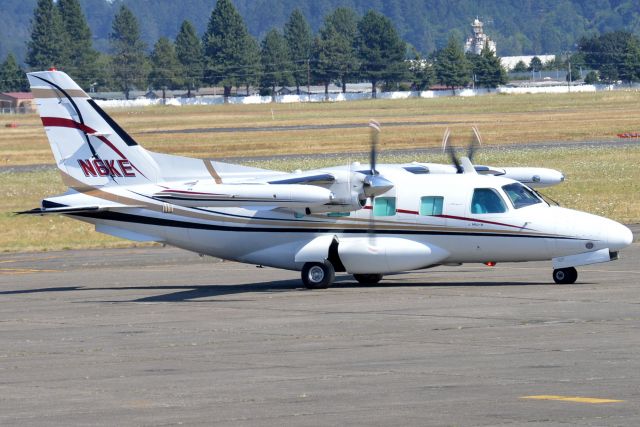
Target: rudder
pixel 89 147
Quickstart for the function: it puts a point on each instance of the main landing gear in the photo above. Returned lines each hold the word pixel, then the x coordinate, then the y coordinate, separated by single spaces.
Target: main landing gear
pixel 368 279
pixel 565 276
pixel 318 275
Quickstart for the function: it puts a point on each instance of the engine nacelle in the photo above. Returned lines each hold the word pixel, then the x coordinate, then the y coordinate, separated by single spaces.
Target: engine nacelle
pixel 534 177
pixel 341 204
pixel 386 254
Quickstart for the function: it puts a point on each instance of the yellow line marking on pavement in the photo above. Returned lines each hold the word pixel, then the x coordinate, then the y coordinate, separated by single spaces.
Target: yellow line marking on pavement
pixel 572 399
pixel 14 271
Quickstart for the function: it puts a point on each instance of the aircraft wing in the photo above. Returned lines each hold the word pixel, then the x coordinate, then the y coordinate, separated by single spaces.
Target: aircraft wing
pixel 316 179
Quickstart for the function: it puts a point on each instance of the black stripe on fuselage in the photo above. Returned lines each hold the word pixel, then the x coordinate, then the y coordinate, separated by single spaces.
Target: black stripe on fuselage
pixel 165 222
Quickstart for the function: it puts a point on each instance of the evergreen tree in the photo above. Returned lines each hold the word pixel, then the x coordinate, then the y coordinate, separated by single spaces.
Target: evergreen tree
pixel 252 67
pixel 225 42
pixel 338 37
pixel 380 50
pixel 166 72
pixel 82 58
pixel 322 71
pixel 452 67
pixel 48 45
pixel 189 51
pixel 297 32
pixel 535 64
pixel 12 77
pixel 422 73
pixel 488 70
pixel 520 67
pixel 129 62
pixel 276 62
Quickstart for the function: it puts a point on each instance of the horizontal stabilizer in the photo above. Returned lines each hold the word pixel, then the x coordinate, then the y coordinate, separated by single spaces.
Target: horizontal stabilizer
pixel 70 210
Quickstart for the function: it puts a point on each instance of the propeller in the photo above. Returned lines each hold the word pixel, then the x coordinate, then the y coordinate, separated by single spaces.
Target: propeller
pixel 475 143
pixel 374 184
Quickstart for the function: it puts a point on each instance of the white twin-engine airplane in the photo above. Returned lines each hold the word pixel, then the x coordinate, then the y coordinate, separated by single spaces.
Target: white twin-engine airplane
pixel 367 220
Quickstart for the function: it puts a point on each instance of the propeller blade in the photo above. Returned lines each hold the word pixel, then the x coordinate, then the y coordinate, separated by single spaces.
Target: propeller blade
pixel 454 159
pixel 475 143
pixel 371 231
pixel 445 140
pixel 375 137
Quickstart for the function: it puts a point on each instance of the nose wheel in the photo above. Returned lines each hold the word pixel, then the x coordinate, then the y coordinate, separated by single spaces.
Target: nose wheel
pixel 318 275
pixel 565 276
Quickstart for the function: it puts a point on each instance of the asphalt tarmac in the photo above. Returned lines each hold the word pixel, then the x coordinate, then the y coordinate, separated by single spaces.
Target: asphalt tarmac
pixel 159 336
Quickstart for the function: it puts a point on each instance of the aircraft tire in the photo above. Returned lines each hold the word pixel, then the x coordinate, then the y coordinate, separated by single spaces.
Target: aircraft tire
pixel 318 275
pixel 368 279
pixel 565 276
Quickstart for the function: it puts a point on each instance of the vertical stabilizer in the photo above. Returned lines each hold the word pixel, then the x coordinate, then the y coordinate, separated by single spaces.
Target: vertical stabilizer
pixel 90 148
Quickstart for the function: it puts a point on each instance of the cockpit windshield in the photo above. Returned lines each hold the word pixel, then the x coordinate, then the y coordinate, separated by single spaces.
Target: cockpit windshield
pixel 520 195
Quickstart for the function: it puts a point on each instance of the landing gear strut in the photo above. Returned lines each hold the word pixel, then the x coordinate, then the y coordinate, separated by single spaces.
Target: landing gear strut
pixel 318 275
pixel 565 276
pixel 368 279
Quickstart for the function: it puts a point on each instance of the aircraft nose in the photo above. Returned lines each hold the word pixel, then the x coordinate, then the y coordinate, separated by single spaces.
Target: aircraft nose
pixel 618 236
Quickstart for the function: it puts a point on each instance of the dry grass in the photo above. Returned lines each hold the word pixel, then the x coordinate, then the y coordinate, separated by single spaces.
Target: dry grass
pixel 602 181
pixel 502 119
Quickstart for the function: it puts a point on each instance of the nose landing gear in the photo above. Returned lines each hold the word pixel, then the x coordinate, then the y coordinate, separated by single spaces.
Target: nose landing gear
pixel 565 276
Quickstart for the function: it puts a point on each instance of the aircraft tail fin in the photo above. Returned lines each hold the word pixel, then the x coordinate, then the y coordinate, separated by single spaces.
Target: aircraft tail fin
pixel 89 147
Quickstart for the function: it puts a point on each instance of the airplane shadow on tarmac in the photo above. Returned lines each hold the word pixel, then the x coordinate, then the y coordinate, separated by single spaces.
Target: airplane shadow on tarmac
pixel 185 293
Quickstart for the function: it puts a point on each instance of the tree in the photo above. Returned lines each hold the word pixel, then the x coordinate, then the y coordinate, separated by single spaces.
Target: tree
pixel 337 58
pixel 165 67
pixel 225 42
pixel 12 77
pixel 48 44
pixel 276 64
pixel 422 72
pixel 535 64
pixel 297 32
pixel 615 55
pixel 380 50
pixel 591 78
pixel 129 63
pixel 253 66
pixel 488 70
pixel 82 57
pixel 189 52
pixel 452 68
pixel 520 67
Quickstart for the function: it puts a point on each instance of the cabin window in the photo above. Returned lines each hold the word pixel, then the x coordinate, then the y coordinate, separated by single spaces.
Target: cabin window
pixel 431 205
pixel 384 206
pixel 520 195
pixel 487 200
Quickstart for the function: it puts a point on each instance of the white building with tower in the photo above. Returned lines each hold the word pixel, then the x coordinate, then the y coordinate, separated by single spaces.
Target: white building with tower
pixel 479 39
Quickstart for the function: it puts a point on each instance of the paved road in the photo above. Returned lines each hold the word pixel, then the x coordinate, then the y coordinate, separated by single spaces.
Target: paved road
pixel 158 336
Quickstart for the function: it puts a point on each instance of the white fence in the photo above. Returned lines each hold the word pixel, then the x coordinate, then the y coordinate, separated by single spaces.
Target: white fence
pixel 338 97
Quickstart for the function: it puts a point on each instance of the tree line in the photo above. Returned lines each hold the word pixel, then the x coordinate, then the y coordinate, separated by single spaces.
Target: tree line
pixel 347 48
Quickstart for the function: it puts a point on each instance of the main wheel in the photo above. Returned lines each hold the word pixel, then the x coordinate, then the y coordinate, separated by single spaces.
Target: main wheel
pixel 318 275
pixel 368 279
pixel 565 276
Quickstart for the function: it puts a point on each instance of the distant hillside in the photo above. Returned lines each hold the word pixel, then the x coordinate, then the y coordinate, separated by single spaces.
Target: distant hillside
pixel 522 27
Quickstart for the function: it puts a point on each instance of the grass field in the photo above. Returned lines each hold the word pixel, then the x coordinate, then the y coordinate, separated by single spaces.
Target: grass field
pixel 502 119
pixel 603 181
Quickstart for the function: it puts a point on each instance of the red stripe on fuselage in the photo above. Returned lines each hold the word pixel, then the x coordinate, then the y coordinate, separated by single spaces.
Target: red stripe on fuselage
pixel 460 218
